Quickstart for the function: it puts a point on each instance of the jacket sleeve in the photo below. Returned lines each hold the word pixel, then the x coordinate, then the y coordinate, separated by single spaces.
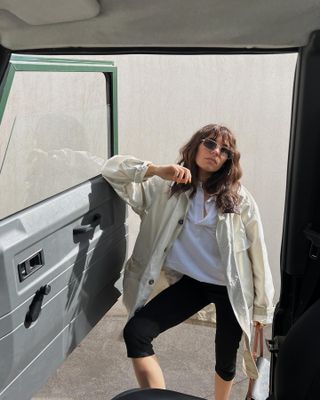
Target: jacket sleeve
pixel 126 174
pixel 263 307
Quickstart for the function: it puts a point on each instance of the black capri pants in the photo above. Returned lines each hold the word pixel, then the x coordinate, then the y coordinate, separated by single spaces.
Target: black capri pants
pixel 176 304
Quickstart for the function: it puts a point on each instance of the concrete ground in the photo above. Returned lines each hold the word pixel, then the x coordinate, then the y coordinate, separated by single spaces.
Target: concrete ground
pixel 99 369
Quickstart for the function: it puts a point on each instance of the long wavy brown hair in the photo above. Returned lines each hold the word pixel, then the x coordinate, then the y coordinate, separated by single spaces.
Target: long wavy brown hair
pixel 224 183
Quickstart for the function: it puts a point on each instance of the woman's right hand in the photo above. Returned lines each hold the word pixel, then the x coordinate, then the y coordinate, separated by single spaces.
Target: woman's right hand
pixel 170 172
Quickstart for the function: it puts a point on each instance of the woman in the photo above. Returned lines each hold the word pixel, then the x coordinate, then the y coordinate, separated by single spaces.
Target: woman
pixel 197 220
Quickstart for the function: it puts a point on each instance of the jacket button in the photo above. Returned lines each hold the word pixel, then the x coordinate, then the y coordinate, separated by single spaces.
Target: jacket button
pixel 180 221
pixel 151 282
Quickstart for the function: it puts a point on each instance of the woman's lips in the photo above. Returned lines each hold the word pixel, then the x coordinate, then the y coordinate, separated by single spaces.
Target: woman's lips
pixel 213 161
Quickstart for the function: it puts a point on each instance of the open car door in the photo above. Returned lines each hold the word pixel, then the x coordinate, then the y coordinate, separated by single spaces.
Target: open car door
pixel 62 228
pixel 295 347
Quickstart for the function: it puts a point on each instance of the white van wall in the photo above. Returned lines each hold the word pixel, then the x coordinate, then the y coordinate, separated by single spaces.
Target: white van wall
pixel 164 99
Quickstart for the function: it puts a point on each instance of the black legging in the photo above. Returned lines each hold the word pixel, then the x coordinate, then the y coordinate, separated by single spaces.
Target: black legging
pixel 176 304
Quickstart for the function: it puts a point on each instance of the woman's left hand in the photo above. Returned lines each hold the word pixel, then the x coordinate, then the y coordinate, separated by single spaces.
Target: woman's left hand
pixel 258 324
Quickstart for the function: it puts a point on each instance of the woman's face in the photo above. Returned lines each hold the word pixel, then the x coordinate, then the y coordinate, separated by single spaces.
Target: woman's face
pixel 211 159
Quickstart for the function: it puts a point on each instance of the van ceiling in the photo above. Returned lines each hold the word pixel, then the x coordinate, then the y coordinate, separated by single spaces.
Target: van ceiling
pixel 39 24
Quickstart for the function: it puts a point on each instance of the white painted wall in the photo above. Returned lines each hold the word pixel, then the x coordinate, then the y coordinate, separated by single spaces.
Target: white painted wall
pixel 163 100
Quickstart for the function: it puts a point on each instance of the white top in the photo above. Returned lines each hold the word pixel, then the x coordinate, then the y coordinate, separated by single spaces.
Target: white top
pixel 195 252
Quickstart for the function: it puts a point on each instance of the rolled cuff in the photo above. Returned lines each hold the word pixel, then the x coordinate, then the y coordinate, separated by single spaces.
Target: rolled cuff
pixel 141 170
pixel 263 315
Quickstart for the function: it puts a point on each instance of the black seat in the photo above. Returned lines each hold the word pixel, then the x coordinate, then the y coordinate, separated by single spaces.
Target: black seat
pixel 298 366
pixel 154 394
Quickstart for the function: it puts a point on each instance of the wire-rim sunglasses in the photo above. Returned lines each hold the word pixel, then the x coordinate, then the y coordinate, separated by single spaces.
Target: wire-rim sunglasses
pixel 211 145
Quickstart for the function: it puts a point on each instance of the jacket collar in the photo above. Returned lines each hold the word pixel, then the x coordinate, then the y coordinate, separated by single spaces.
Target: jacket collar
pixel 221 215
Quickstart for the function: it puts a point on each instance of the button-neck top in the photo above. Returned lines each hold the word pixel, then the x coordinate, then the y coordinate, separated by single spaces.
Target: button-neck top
pixel 195 251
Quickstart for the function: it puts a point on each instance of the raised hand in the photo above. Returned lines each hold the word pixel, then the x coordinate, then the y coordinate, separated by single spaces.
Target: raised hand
pixel 170 172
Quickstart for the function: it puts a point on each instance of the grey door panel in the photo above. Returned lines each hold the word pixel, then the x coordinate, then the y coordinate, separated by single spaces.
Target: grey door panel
pixel 82 269
pixel 35 374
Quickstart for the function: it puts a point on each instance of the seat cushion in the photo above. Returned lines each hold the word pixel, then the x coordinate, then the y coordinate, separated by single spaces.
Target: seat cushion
pixel 154 394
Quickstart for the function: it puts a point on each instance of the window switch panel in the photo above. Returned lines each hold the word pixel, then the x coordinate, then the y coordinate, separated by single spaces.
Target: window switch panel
pixel 30 265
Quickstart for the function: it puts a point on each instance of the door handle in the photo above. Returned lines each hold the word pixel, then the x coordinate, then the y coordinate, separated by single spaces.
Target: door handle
pixel 87 228
pixel 36 304
pixel 83 229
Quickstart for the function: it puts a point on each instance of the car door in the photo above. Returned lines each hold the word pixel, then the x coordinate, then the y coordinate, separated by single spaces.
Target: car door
pixel 62 228
pixel 295 346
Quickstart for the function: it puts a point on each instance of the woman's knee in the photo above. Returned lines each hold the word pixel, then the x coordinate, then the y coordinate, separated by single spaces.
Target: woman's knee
pixel 227 373
pixel 138 335
pixel 131 331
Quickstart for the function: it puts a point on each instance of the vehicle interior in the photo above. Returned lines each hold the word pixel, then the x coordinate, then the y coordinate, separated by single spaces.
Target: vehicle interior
pixel 37 279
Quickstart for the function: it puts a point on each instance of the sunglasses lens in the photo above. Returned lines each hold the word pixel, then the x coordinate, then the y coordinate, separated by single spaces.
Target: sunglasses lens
pixel 226 152
pixel 210 144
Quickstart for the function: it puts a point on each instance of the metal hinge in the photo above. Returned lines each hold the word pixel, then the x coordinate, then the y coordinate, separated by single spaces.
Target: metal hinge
pixel 274 344
pixel 314 237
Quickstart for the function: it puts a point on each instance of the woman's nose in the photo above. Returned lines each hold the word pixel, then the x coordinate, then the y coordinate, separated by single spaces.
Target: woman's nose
pixel 215 151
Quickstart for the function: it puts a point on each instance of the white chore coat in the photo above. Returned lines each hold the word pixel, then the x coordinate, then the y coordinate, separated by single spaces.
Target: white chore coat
pixel 239 236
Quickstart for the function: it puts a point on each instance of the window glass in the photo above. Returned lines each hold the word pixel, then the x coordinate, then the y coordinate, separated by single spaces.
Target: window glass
pixel 54 135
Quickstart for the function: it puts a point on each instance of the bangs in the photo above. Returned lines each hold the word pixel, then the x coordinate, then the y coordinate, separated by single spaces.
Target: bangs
pixel 226 136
